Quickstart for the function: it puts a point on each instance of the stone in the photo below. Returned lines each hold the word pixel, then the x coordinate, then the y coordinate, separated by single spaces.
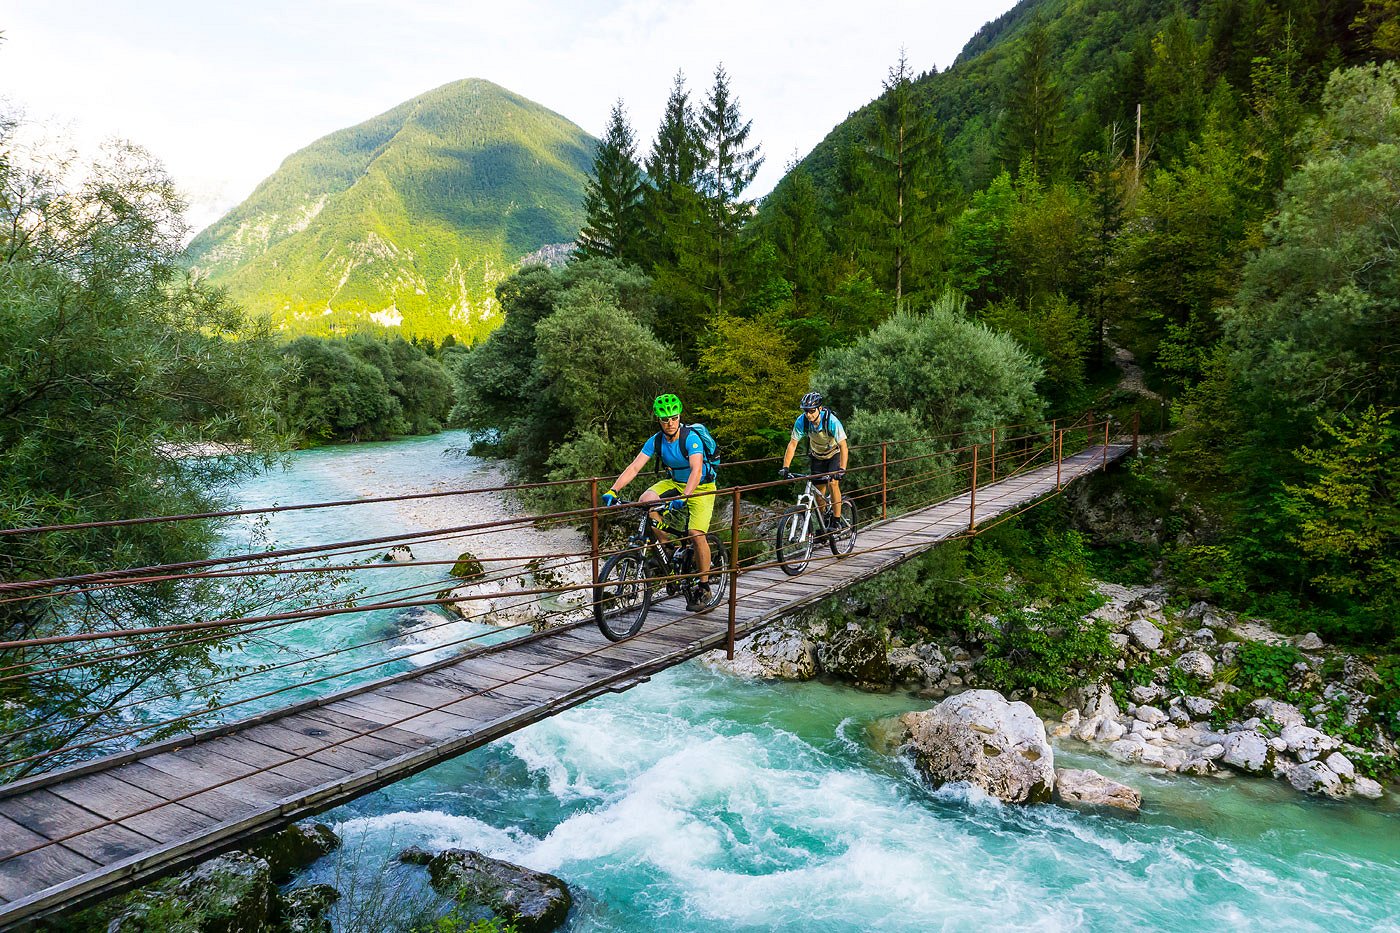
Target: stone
pixel 1089 788
pixel 1110 730
pixel 1365 787
pixel 1314 777
pixel 467 567
pixel 981 738
pixel 1198 766
pixel 1178 715
pixel 402 554
pixel 1126 750
pixel 1087 728
pixel 1307 743
pixel 1152 755
pixel 858 655
pixel 232 893
pixel 774 653
pixel 1341 765
pixel 1148 693
pixel 1203 636
pixel 1150 715
pixel 1118 640
pixel 1248 752
pixel 1198 707
pixel 305 910
pixel 531 901
pixel 1145 634
pixel 1196 664
pixel 1098 700
pixel 1310 642
pixel 1071 717
pixel 1211 752
pixel 295 848
pixel 1281 714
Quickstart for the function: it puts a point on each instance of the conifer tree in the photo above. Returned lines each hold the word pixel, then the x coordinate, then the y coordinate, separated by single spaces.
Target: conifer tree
pixel 671 169
pixel 1032 121
pixel 902 187
pixel 727 166
pixel 800 242
pixel 612 198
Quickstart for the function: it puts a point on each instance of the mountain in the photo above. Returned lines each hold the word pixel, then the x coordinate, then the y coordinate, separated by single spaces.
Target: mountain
pixel 406 221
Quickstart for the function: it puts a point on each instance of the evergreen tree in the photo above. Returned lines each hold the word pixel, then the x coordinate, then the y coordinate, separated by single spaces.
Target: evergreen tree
pixel 727 166
pixel 612 199
pixel 800 242
pixel 1032 121
pixel 1176 103
pixel 902 189
pixel 671 169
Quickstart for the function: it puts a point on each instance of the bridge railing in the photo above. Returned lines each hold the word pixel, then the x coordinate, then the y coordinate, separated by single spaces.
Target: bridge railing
pixel 896 477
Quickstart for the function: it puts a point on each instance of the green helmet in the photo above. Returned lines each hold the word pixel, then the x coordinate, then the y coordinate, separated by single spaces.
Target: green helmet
pixel 666 406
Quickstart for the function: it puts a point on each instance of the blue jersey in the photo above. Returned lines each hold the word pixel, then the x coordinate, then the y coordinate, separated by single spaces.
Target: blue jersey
pixel 673 458
pixel 823 438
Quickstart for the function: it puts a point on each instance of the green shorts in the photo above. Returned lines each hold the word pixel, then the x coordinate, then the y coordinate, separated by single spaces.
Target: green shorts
pixel 700 508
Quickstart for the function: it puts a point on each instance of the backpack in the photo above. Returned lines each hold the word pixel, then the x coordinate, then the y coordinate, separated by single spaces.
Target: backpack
pixel 709 450
pixel 823 423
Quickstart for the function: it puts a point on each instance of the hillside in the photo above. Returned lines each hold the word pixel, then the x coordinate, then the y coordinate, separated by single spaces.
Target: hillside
pixel 407 220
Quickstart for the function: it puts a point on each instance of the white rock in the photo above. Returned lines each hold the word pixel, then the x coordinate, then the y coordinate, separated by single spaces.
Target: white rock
pixel 772 653
pixel 1150 715
pixel 1148 693
pixel 1151 755
pixel 1125 750
pixel 1198 766
pixel 1098 699
pixel 1088 788
pixel 1087 728
pixel 1211 752
pixel 1310 642
pixel 1248 752
pixel 1284 714
pixel 1110 730
pixel 1118 640
pixel 1070 718
pixel 1145 634
pixel 1196 664
pixel 981 738
pixel 1342 765
pixel 1365 787
pixel 1278 744
pixel 1198 707
pixel 1308 743
pixel 1314 777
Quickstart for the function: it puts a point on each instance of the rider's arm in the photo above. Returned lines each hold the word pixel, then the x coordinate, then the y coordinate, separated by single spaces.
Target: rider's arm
pixel 697 470
pixel 845 453
pixel 631 472
pixel 791 449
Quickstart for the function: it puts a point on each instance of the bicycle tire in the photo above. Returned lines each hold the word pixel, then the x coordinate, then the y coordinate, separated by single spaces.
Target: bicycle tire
pixel 619 579
pixel 793 548
pixel 842 539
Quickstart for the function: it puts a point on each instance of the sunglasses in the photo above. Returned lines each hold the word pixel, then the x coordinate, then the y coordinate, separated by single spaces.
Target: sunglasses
pixel 671 418
pixel 809 410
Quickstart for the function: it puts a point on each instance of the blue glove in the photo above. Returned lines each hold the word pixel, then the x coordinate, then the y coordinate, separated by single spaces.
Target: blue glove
pixel 839 474
pixel 676 505
pixel 610 498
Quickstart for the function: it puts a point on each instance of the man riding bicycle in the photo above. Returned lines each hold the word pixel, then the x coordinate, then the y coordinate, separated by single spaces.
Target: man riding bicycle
pixel 688 475
pixel 827 450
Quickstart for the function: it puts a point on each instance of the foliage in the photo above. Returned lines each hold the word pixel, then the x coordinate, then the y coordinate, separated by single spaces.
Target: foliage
pixel 1051 650
pixel 416 214
pixel 612 197
pixel 754 383
pixel 1031 129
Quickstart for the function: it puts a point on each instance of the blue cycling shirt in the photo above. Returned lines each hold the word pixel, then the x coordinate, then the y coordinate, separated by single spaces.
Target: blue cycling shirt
pixel 672 458
pixel 823 438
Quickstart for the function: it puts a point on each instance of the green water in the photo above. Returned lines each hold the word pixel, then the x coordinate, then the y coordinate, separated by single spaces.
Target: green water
pixel 701 802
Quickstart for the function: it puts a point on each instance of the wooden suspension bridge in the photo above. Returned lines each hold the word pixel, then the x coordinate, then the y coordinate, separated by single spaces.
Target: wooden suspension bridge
pixel 81 833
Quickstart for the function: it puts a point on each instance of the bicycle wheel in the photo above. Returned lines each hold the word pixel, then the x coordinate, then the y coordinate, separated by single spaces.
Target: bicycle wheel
pixel 620 599
pixel 794 541
pixel 719 574
pixel 843 537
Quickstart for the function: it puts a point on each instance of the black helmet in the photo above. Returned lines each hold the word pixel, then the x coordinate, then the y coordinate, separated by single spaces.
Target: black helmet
pixel 810 401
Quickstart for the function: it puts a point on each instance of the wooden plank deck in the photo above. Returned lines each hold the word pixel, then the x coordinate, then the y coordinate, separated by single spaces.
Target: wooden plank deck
pixel 79 834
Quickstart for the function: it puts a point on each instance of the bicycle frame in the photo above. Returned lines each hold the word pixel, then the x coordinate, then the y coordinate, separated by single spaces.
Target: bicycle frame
pixel 808 500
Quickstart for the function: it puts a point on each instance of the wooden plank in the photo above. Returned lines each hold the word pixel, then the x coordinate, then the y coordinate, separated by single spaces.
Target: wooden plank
pixel 27 874
pixel 344 720
pixel 47 814
pixel 358 739
pixel 165 785
pixel 387 710
pixel 15 837
pixel 137 809
pixel 108 844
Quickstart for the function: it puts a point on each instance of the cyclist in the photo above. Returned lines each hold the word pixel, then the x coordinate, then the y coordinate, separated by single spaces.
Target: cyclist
pixel 827 450
pixel 688 474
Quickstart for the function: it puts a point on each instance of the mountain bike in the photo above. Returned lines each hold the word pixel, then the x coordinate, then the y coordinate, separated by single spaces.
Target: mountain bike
pixel 803 525
pixel 628 583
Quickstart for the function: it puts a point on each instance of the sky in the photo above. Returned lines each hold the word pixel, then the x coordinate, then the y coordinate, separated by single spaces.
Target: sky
pixel 223 92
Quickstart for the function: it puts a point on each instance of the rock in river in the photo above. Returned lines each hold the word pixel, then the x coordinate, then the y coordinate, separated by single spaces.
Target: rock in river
pixel 983 739
pixel 1088 788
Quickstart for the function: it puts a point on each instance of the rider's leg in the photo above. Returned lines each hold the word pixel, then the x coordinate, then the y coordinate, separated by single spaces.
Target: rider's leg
pixel 652 498
pixel 701 510
pixel 836 498
pixel 702 554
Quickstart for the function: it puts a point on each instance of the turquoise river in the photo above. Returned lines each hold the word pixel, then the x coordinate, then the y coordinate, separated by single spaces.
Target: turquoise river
pixel 702 802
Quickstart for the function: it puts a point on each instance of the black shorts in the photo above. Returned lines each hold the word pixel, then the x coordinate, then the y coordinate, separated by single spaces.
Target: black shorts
pixel 828 465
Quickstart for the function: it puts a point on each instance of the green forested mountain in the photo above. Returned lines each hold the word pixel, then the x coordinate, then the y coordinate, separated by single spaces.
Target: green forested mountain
pixel 408 220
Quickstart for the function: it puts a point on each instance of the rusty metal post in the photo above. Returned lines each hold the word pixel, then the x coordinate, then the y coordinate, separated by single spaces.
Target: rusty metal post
pixel 593 496
pixel 1059 444
pixel 972 504
pixel 1105 443
pixel 734 515
pixel 1137 426
pixel 993 464
pixel 884 480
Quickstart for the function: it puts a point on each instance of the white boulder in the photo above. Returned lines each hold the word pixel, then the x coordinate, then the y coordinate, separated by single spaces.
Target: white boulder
pixel 982 738
pixel 1196 664
pixel 1150 715
pixel 1365 787
pixel 1145 634
pixel 1283 714
pixel 1314 777
pixel 1247 751
pixel 1088 788
pixel 1307 743
pixel 784 654
pixel 1342 765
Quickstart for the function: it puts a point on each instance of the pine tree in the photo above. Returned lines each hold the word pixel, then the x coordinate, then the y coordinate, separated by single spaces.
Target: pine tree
pixel 671 169
pixel 612 198
pixel 902 188
pixel 1032 122
pixel 801 244
pixel 727 166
